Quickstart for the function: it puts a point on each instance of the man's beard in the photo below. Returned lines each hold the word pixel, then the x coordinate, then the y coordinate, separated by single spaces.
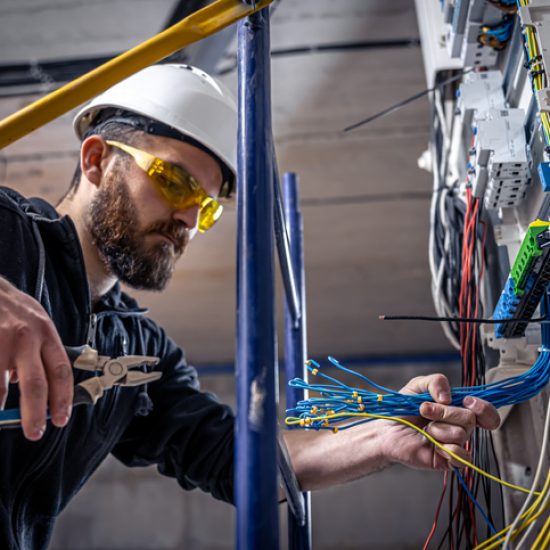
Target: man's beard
pixel 114 227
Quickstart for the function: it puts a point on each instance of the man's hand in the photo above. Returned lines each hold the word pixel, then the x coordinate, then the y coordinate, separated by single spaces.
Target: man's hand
pixel 451 426
pixel 33 355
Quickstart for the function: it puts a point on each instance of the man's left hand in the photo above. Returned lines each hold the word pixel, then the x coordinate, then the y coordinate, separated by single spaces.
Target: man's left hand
pixel 451 426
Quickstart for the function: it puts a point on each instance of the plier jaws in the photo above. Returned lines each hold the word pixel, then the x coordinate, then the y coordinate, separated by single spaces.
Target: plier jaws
pixel 108 372
pixel 114 371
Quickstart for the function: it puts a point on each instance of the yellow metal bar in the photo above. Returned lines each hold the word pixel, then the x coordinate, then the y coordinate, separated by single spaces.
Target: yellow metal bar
pixel 202 23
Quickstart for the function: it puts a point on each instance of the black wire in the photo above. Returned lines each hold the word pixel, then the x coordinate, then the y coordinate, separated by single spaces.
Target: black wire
pixel 461 319
pixel 404 102
pixel 366 198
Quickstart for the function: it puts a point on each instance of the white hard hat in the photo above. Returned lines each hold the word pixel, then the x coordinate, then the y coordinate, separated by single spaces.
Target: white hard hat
pixel 181 97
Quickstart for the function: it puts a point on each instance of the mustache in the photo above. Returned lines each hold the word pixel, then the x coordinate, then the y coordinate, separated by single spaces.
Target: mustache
pixel 174 230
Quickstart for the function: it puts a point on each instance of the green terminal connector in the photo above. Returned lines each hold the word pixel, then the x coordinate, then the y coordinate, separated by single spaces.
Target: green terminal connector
pixel 529 251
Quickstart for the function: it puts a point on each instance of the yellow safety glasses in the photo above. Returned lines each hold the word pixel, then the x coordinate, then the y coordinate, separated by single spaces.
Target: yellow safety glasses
pixel 176 185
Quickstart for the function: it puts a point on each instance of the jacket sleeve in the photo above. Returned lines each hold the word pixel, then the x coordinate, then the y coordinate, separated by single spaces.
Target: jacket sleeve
pixel 18 252
pixel 188 434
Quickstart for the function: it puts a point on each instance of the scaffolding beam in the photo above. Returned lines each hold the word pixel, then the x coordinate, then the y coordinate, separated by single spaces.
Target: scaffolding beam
pixel 203 23
pixel 256 487
pixel 299 536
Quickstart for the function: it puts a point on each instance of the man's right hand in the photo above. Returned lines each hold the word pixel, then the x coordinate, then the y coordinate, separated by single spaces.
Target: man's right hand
pixel 33 355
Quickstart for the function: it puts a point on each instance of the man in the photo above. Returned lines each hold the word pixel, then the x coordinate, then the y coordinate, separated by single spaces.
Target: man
pixel 156 161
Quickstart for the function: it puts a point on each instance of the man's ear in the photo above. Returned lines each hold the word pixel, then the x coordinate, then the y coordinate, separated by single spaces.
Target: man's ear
pixel 93 152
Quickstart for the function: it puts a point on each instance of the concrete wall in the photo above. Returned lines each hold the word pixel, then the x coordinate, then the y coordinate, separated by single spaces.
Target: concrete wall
pixel 137 509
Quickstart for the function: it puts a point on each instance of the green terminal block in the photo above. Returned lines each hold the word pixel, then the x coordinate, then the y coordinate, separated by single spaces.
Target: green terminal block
pixel 529 251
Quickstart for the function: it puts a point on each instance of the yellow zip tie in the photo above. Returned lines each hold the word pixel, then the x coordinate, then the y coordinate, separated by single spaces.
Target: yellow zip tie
pixel 380 397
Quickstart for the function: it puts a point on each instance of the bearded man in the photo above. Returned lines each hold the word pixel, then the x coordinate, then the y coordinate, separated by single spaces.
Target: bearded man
pixel 156 163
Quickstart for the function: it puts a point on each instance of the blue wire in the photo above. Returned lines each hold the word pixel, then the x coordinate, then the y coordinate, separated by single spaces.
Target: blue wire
pixel 473 499
pixel 342 398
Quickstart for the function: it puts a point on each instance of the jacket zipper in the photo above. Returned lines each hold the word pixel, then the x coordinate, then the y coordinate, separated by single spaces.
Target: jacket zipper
pixel 90 339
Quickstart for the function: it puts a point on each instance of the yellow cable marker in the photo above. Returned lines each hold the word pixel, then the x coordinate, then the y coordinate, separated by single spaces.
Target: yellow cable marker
pixel 198 25
pixel 380 397
pixel 314 371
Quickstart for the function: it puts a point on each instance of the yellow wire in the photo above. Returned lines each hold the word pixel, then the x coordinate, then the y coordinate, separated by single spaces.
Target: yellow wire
pixel 539 79
pixel 546 540
pixel 492 542
pixel 292 421
pixel 541 535
pixel 528 517
pixel 545 125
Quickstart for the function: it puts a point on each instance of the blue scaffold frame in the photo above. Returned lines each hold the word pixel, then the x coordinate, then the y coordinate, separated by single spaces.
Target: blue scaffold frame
pixel 260 217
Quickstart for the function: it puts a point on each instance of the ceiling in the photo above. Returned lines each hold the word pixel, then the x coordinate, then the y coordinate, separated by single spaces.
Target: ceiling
pixel 364 201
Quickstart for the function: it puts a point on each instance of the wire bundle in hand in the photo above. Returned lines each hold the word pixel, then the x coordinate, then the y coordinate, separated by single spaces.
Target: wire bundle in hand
pixel 337 398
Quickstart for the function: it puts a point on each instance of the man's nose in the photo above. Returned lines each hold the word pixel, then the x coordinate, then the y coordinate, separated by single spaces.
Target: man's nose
pixel 188 216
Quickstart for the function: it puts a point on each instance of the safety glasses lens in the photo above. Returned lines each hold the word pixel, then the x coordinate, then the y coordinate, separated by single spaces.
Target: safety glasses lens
pixel 210 212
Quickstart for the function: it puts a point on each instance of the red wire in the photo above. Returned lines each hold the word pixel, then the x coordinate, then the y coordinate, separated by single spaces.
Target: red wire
pixel 468 305
pixel 438 510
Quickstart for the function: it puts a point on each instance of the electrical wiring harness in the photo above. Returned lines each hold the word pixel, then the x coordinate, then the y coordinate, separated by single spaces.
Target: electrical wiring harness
pixel 527 282
pixel 338 402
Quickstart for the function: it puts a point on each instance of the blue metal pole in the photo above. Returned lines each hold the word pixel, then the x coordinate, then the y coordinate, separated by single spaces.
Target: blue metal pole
pixel 256 429
pixel 299 537
pixel 288 272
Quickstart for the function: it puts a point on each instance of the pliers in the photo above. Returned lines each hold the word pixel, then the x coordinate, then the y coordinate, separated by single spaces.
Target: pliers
pixel 114 371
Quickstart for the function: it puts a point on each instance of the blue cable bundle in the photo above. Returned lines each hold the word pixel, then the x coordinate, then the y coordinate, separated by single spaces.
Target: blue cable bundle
pixel 502 31
pixel 338 398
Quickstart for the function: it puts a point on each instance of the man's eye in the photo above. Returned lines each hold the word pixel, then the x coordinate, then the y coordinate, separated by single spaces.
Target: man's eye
pixel 174 187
